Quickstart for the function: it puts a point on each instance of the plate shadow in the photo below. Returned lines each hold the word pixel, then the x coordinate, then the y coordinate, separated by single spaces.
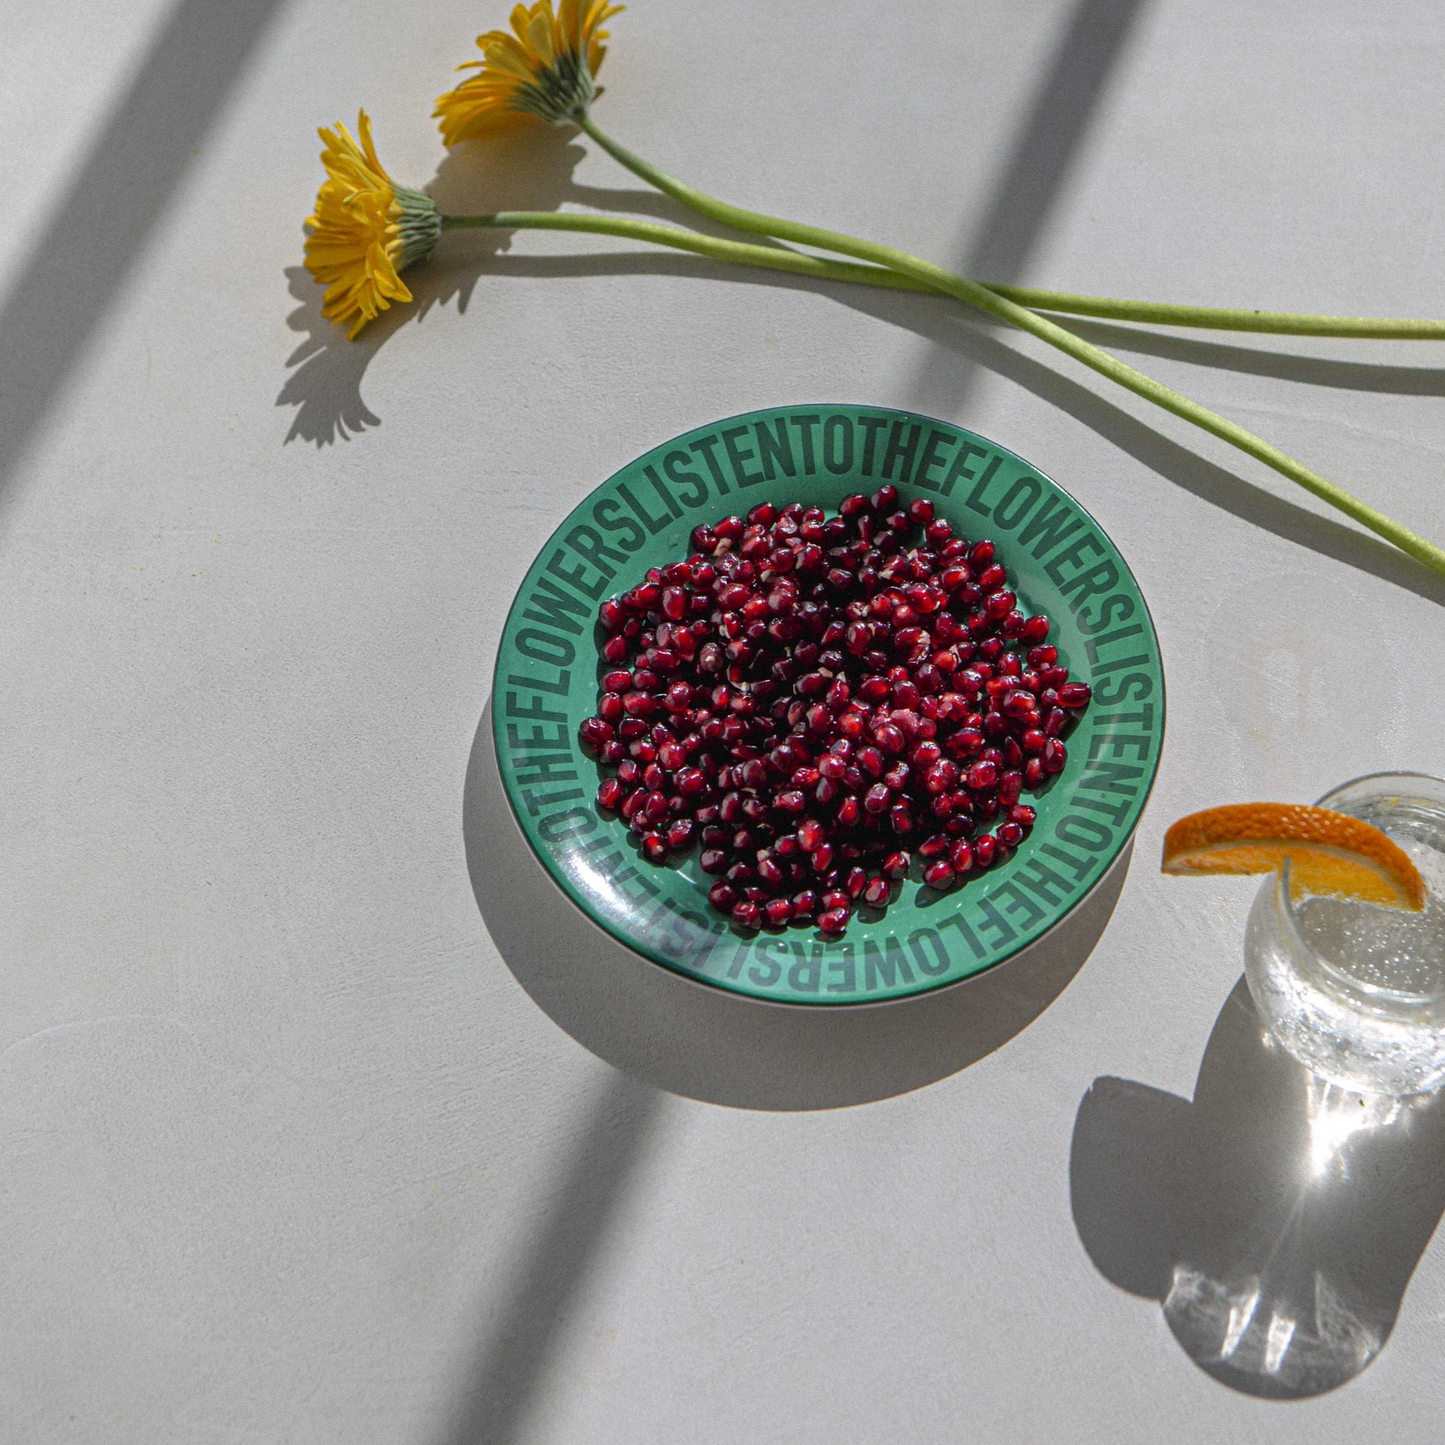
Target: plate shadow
pixel 698 1041
pixel 1277 1219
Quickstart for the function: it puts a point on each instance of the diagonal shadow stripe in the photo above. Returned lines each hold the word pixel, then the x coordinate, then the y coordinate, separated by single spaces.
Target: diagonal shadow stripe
pixel 513 1358
pixel 999 245
pixel 74 271
pixel 540 1290
pixel 1067 100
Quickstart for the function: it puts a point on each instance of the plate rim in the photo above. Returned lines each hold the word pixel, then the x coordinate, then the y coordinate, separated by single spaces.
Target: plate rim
pixel 1124 841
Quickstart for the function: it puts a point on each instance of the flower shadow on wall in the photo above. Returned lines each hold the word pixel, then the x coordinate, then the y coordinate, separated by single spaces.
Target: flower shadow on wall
pixel 526 167
pixel 368 228
pixel 529 167
pixel 1277 1219
pixel 533 166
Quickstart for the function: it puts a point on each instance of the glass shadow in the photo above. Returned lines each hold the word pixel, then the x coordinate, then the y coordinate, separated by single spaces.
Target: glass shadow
pixel 1277 1219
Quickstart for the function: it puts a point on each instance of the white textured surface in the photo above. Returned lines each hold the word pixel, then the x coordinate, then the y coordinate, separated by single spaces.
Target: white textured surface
pixel 286 1153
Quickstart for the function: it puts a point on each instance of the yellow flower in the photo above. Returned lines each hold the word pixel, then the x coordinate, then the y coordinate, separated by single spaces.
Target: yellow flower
pixel 366 230
pixel 545 68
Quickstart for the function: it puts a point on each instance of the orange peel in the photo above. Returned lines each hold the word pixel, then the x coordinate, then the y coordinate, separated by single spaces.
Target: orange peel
pixel 1328 852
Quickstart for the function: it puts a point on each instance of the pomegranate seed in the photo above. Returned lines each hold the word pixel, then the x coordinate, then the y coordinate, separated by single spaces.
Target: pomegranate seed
pixel 982 775
pixel 875 895
pixel 889 738
pixel 747 914
pixel 595 731
pixel 777 912
pixel 800 688
pixel 769 871
pixel 896 865
pixel 870 760
pixel 722 895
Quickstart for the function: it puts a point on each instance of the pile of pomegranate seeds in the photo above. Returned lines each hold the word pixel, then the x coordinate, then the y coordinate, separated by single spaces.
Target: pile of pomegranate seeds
pixel 810 698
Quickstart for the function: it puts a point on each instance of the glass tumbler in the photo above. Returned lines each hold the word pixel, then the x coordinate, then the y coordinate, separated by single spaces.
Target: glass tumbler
pixel 1354 991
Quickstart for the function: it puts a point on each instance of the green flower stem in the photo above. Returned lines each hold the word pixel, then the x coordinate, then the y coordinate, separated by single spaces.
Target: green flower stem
pixel 1224 318
pixel 1004 309
pixel 1112 308
pixel 1163 313
pixel 744 253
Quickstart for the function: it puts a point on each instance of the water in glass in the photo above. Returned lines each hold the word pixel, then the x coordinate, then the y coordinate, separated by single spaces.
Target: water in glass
pixel 1354 991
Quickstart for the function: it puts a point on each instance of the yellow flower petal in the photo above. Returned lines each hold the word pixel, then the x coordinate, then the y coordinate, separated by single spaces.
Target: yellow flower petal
pixel 545 68
pixel 364 231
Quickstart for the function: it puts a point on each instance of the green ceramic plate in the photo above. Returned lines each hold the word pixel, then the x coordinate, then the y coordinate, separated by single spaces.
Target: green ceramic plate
pixel 1060 562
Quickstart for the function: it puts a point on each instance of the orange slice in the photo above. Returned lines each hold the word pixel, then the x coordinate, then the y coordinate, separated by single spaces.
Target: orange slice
pixel 1328 852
